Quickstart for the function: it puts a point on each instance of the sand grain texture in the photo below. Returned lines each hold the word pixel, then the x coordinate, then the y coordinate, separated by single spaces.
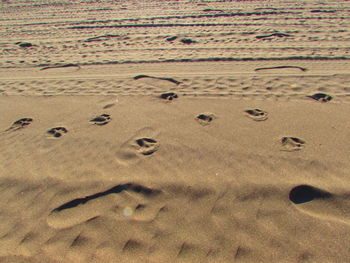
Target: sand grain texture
pixel 174 131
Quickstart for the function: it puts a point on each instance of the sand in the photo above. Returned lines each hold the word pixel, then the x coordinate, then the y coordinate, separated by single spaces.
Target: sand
pixel 121 143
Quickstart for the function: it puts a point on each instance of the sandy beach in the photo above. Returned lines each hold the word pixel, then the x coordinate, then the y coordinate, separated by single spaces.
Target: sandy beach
pixel 174 131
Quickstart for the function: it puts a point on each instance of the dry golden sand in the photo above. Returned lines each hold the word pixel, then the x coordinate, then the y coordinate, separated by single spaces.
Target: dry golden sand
pixel 240 165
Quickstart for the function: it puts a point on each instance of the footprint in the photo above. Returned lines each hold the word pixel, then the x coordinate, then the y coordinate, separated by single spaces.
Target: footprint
pixel 19 124
pixel 24 44
pixel 320 203
pixel 257 114
pixel 321 97
pixel 141 143
pixel 169 96
pixel 205 118
pixel 291 144
pixel 123 206
pixel 57 131
pixel 147 146
pixel 103 119
pixel 305 193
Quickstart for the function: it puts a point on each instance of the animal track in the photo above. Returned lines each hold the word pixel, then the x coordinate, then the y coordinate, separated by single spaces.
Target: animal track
pixel 57 131
pixel 291 144
pixel 188 41
pixel 205 118
pixel 103 119
pixel 169 96
pixel 19 124
pixel 147 146
pixel 257 114
pixel 305 193
pixel 321 97
pixel 131 151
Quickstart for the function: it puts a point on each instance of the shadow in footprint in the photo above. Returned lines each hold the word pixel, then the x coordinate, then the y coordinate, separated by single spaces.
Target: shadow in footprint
pixel 24 44
pixel 147 146
pixel 188 41
pixel 114 190
pixel 205 118
pixel 321 97
pixel 133 149
pixel 257 114
pixel 19 124
pixel 168 96
pixel 137 204
pixel 321 204
pixel 102 119
pixel 291 144
pixel 171 38
pixel 57 131
pixel 306 193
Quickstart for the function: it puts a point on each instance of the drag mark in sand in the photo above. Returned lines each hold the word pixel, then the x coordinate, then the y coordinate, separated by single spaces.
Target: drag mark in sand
pixel 281 67
pixel 62 66
pixel 101 38
pixel 273 35
pixel 167 79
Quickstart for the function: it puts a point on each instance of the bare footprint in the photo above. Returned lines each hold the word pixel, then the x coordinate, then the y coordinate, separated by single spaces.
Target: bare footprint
pixel 57 132
pixel 113 201
pixel 102 119
pixel 321 97
pixel 19 124
pixel 291 144
pixel 169 96
pixel 320 203
pixel 205 118
pixel 147 146
pixel 257 114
